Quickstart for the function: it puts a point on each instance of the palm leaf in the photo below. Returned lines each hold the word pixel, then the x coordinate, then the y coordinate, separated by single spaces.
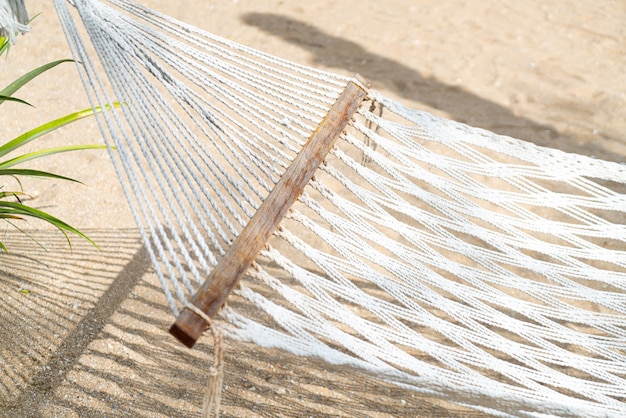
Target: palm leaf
pixel 27 172
pixel 18 83
pixel 15 210
pixel 13 99
pixel 9 216
pixel 43 153
pixel 47 127
pixel 4 45
pixel 4 195
pixel 3 247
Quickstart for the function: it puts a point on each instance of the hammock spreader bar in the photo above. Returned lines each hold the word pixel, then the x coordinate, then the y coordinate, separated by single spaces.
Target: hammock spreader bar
pixel 213 293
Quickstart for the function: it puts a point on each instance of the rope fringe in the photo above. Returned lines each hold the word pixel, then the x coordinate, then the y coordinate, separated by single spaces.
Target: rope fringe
pixel 213 391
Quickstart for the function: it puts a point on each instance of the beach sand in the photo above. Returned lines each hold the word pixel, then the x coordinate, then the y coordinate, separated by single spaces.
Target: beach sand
pixel 83 331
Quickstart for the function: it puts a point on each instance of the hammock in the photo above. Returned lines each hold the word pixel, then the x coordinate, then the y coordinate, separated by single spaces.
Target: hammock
pixel 446 259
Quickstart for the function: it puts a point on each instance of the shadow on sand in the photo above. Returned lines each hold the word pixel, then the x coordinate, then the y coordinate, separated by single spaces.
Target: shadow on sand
pixel 84 334
pixel 463 106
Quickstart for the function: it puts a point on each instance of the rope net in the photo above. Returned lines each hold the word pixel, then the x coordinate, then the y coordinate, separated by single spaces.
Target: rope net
pixel 444 258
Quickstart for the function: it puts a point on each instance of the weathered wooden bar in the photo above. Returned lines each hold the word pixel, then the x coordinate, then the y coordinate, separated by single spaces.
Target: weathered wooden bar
pixel 213 293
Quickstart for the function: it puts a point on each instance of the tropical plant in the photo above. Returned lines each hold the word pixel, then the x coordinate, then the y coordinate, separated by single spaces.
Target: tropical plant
pixel 12 207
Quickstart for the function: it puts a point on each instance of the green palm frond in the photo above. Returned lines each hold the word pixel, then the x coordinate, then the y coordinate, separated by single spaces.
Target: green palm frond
pixel 48 127
pixel 12 208
pixel 15 210
pixel 21 81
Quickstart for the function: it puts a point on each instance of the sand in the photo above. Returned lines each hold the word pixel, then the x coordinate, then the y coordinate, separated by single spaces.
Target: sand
pixel 83 332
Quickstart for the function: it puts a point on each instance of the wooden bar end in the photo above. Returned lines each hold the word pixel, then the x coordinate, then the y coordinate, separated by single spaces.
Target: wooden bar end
pixel 188 327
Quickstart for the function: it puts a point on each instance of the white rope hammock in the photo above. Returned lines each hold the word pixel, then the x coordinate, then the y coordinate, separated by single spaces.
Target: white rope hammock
pixel 447 259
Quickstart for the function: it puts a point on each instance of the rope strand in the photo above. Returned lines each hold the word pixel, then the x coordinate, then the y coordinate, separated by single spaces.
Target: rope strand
pixel 213 390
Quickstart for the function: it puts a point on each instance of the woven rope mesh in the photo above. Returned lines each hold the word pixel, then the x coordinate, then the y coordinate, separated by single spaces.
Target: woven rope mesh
pixel 471 266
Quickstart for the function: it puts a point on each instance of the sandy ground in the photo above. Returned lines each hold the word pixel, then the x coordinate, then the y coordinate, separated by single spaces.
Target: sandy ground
pixel 83 331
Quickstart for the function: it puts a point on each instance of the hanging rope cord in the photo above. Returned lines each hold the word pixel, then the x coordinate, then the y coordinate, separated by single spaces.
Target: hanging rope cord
pixel 132 86
pixel 462 264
